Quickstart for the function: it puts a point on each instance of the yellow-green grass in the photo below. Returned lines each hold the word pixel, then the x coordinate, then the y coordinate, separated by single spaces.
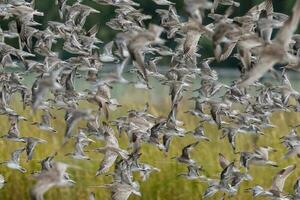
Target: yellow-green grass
pixel 161 185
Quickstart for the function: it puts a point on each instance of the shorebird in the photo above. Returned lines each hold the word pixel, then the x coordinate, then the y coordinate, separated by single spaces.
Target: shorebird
pixel 78 153
pixel 122 191
pixel 223 184
pixel 230 133
pixel 45 123
pixel 292 143
pixel 163 2
pixel 14 162
pixel 193 173
pixel 102 98
pixel 259 191
pixel 199 110
pixel 266 23
pixel 185 155
pixel 237 177
pixel 81 141
pixel 260 157
pixel 199 134
pixel 55 176
pixel 224 2
pixel 145 170
pixel 196 9
pixel 47 163
pixel 297 189
pixel 31 143
pixel 13 132
pixel 276 190
pixel 116 76
pixel 47 81
pixel 139 42
pixel 111 150
pixel 107 55
pixel 72 119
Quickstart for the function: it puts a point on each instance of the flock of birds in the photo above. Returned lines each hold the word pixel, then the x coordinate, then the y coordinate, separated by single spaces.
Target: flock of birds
pixel 244 107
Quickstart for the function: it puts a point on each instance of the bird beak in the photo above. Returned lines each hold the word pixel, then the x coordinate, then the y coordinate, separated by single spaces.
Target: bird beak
pixel 72 182
pixel 90 140
pixel 269 193
pixel 137 193
pixel 98 186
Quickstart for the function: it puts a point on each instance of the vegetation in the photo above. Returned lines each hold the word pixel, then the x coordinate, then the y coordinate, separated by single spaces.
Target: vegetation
pixel 160 186
pixel 164 185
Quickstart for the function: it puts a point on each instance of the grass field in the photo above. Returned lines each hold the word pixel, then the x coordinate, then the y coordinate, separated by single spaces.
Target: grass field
pixel 164 185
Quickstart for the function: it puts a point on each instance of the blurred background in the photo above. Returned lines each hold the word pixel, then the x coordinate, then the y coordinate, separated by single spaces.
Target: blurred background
pixel 148 7
pixel 107 12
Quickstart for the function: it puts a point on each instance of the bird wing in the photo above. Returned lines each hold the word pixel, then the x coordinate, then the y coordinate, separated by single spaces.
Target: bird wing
pixel 223 161
pixel 190 43
pixel 227 50
pixel 15 156
pixel 266 62
pixel 199 106
pixel 92 196
pixel 167 141
pixel 199 130
pixel 59 170
pixel 193 170
pixel 79 149
pixel 70 124
pixel 111 140
pixel 120 194
pixel 108 48
pixel 286 33
pixel 40 188
pixel 46 119
pixel 254 11
pixel 108 160
pixel 30 148
pixel 269 11
pixel 280 177
pixel 227 173
pixel 296 186
pixel 163 2
pixel 70 80
pixel 14 131
pixel 260 153
pixel 186 150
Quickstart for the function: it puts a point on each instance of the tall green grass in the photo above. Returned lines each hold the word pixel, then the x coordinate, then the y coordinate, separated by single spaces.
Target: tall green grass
pixel 164 185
